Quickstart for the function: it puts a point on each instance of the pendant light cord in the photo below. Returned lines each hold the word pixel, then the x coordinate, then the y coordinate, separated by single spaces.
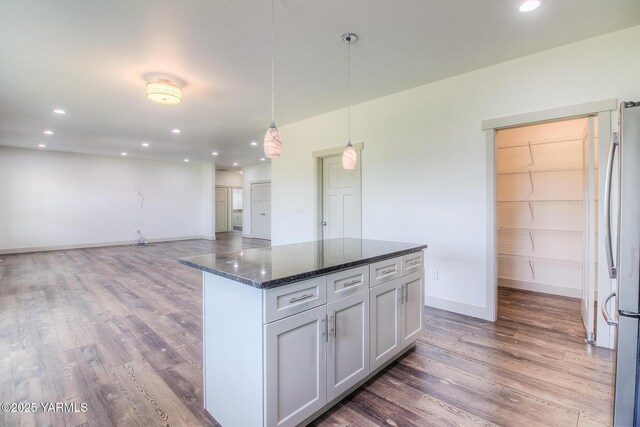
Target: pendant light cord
pixel 273 105
pixel 349 86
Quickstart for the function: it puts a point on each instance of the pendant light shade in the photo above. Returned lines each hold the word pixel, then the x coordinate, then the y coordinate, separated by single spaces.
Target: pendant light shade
pixel 349 157
pixel 272 144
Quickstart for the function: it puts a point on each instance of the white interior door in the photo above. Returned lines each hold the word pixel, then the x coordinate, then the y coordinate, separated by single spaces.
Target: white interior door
pixel 341 205
pixel 589 273
pixel 222 210
pixel 261 210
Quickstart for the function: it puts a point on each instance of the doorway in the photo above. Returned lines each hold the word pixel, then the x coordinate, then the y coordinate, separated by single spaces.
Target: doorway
pixel 222 209
pixel 261 210
pixel 341 199
pixel 546 187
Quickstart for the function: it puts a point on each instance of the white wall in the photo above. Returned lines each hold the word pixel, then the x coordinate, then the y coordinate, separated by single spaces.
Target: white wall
pixel 252 173
pixel 424 173
pixel 207 202
pixel 53 199
pixel 229 178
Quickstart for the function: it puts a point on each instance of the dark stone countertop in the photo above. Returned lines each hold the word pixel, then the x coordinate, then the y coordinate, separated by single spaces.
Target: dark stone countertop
pixel 279 265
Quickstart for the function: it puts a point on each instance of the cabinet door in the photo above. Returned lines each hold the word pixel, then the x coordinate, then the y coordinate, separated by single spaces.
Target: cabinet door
pixel 413 307
pixel 348 345
pixel 384 309
pixel 295 367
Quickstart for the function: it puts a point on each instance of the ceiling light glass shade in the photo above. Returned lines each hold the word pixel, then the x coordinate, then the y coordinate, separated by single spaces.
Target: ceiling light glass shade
pixel 349 157
pixel 529 5
pixel 164 92
pixel 272 143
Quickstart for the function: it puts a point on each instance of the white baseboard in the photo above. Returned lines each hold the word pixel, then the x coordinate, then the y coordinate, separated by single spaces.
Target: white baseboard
pixel 458 307
pixel 8 251
pixel 541 287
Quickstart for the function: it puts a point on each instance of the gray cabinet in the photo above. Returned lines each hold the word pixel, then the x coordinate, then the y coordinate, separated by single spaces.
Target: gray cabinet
pixel 295 367
pixel 396 316
pixel 348 343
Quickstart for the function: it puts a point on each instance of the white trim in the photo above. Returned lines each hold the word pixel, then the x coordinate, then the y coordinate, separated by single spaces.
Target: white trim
pixel 10 251
pixel 491 296
pixel 551 114
pixel 328 152
pixel 457 307
pixel 541 287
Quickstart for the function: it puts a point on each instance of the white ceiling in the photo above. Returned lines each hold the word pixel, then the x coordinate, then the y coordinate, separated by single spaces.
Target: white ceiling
pixel 93 57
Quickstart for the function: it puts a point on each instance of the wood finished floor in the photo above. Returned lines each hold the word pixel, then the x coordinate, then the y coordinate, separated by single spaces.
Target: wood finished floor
pixel 119 328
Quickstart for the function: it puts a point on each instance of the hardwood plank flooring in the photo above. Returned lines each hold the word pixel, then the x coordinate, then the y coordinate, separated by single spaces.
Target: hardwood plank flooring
pixel 120 329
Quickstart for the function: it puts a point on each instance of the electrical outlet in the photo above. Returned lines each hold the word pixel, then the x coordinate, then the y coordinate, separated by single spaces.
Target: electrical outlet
pixel 434 273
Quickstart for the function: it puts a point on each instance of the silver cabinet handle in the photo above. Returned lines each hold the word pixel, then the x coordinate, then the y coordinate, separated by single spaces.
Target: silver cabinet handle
pixel 607 317
pixel 391 270
pixel 325 332
pixel 406 292
pixel 607 207
pixel 263 214
pixel 353 282
pixel 301 298
pixel 412 263
pixel 401 298
pixel 332 331
pixel 324 222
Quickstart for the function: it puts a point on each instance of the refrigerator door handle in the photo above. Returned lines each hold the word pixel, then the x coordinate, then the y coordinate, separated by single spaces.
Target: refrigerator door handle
pixel 607 208
pixel 607 317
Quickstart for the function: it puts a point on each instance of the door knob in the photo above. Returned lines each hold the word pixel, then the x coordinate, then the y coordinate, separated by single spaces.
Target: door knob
pixel 324 222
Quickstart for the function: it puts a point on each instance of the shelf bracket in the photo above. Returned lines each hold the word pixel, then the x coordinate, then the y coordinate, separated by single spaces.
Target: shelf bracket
pixel 530 152
pixel 533 247
pixel 533 273
pixel 531 180
pixel 531 212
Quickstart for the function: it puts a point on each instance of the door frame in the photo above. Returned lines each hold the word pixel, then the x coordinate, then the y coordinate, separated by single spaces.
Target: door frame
pixel 601 108
pixel 250 212
pixel 318 157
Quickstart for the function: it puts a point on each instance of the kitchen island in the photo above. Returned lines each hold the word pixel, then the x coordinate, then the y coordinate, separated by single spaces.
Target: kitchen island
pixel 290 330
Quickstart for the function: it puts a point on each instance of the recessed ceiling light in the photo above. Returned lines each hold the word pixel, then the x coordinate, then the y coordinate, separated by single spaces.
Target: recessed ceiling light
pixel 175 130
pixel 215 153
pixel 529 5
pixel 42 146
pixel 123 154
pixel 254 143
pixel 59 111
pixel 262 159
pixel 186 160
pixel 48 132
pixel 145 144
pixel 235 164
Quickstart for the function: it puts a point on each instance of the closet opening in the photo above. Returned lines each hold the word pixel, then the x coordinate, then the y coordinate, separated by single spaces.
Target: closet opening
pixel 546 218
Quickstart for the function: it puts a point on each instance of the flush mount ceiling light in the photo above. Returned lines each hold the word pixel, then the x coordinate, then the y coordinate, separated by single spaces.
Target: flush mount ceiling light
pixel 215 153
pixel 349 155
pixel 272 142
pixel 529 5
pixel 164 92
pixel 59 111
pixel 48 132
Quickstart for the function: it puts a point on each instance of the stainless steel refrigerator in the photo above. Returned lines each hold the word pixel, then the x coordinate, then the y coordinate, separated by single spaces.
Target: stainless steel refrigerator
pixel 624 310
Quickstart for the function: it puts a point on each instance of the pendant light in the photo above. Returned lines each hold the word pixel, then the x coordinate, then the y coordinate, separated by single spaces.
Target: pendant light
pixel 272 142
pixel 349 155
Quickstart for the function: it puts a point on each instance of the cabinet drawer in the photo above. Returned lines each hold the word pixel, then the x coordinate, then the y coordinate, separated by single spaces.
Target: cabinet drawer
pixel 347 282
pixel 412 263
pixel 294 298
pixel 384 271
